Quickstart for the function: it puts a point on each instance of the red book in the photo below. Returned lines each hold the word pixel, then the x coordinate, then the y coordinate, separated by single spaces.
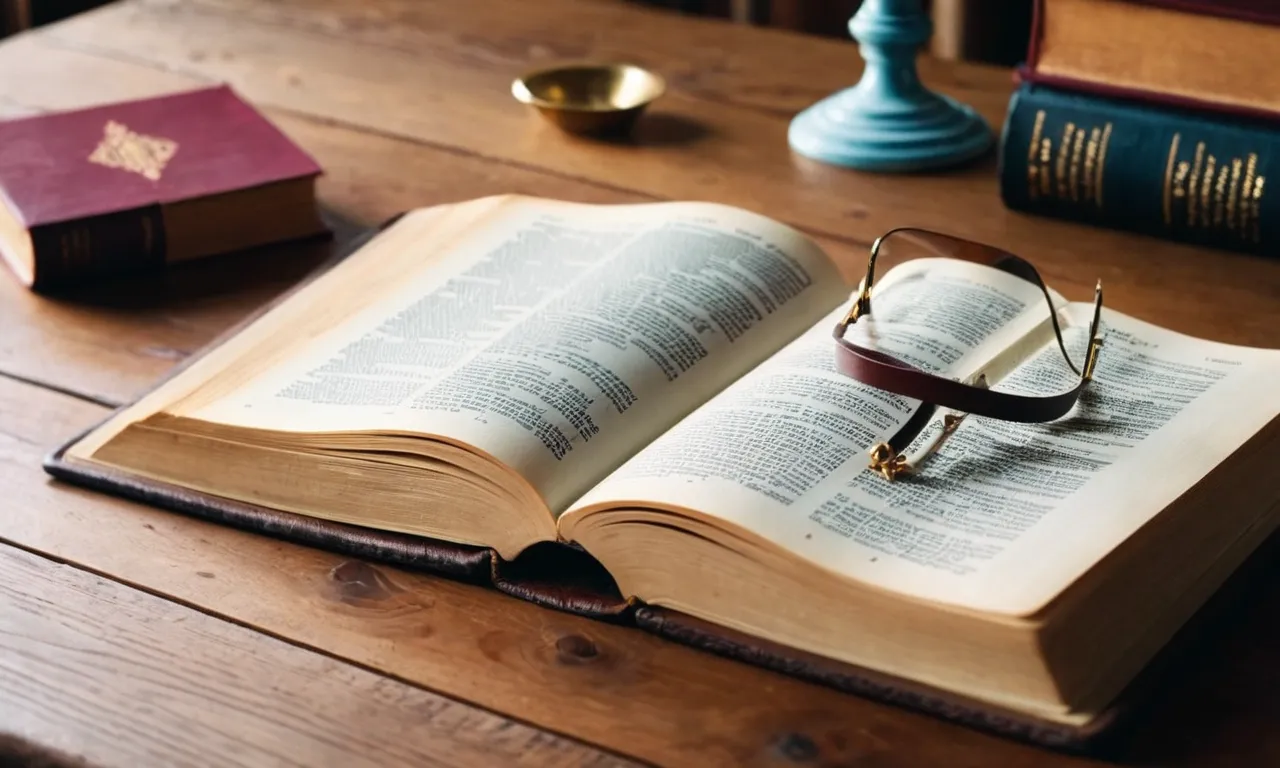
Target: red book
pixel 1207 55
pixel 133 186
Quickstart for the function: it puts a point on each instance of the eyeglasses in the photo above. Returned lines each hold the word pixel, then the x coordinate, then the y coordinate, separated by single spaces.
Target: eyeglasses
pixel 962 398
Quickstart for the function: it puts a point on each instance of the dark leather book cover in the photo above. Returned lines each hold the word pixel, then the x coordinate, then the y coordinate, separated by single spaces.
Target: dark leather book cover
pixel 1253 12
pixel 101 190
pixel 1175 174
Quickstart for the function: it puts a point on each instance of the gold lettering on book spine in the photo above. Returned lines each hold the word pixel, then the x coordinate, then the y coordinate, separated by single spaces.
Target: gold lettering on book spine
pixel 1064 151
pixel 1257 205
pixel 1232 192
pixel 1220 194
pixel 134 152
pixel 1246 196
pixel 1091 164
pixel 1193 184
pixel 1168 180
pixel 1033 148
pixel 1180 174
pixel 1206 187
pixel 1077 150
pixel 1046 154
pixel 1102 164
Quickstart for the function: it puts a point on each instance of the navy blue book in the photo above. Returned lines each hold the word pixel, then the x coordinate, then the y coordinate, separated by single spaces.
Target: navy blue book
pixel 1172 173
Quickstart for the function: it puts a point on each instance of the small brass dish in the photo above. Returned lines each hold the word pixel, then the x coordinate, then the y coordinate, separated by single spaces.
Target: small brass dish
pixel 590 98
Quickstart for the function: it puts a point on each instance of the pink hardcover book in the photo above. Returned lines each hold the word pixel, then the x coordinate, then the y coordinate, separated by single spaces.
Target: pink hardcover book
pixel 133 186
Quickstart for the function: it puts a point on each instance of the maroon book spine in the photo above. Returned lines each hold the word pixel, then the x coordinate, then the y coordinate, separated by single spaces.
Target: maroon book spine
pixel 1260 11
pixel 112 244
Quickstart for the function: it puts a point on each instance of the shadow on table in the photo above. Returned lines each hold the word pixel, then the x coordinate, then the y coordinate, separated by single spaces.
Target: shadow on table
pixel 1217 702
pixel 668 129
pixel 257 272
pixel 656 129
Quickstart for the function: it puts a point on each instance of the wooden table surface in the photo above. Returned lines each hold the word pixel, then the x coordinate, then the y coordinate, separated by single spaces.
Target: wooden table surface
pixel 133 636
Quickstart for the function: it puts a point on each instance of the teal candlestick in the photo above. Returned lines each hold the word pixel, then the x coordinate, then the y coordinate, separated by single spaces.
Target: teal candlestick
pixel 889 121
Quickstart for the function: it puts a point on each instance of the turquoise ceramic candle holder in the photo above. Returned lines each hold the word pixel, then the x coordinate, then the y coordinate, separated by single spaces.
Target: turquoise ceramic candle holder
pixel 889 121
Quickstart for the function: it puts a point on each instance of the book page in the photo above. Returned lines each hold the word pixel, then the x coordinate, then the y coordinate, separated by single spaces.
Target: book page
pixel 1050 500
pixel 1006 515
pixel 758 451
pixel 559 339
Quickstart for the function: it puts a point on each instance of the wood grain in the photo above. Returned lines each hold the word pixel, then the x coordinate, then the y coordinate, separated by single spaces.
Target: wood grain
pixel 439 73
pixel 124 678
pixel 402 104
pixel 405 104
pixel 633 694
pixel 113 342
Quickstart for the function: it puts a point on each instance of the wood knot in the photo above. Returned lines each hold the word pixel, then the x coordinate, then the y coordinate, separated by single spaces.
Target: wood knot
pixel 358 580
pixel 798 748
pixel 576 649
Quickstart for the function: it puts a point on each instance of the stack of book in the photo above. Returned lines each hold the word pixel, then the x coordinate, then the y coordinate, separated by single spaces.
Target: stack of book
pixel 1159 116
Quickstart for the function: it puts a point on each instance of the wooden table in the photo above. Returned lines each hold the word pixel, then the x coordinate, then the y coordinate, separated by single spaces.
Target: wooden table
pixel 139 637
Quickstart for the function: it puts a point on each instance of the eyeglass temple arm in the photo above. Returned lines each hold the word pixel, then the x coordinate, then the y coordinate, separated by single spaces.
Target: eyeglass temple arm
pixel 1095 341
pixel 1091 354
pixel 862 307
pixel 862 304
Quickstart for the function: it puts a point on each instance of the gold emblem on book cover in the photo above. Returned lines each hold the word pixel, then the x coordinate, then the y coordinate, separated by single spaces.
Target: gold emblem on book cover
pixel 132 151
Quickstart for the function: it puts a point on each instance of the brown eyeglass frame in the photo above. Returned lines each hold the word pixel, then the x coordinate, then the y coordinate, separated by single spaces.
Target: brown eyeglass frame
pixel 883 371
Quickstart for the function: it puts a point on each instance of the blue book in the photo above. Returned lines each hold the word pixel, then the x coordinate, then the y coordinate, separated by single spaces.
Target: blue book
pixel 1177 174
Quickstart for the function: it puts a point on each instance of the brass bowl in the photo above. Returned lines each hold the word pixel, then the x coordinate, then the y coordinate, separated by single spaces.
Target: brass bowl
pixel 590 98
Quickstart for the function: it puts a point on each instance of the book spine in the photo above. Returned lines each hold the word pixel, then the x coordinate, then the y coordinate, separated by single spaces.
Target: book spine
pixel 1169 173
pixel 99 247
pixel 1254 11
pixel 1156 98
pixel 1240 10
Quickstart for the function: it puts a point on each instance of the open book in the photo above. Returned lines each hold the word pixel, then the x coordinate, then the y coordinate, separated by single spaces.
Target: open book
pixel 656 384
